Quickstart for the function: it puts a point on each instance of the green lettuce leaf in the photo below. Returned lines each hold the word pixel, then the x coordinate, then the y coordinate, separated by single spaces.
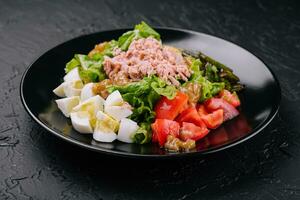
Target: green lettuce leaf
pixel 208 88
pixel 161 88
pixel 91 69
pixel 196 64
pixel 125 40
pixel 141 30
pixel 146 31
pixel 92 74
pixel 71 65
pixel 143 134
pixel 108 51
pixel 86 62
pixel 195 67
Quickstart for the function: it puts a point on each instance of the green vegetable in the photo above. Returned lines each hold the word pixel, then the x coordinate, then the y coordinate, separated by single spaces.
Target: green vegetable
pixel 142 96
pixel 208 59
pixel 225 72
pixel 141 30
pixel 195 67
pixel 211 73
pixel 161 88
pixel 143 134
pixel 208 89
pixel 237 87
pixel 146 31
pixel 92 74
pixel 91 69
pixel 125 40
pixel 86 62
pixel 71 65
pixel 215 72
pixel 108 50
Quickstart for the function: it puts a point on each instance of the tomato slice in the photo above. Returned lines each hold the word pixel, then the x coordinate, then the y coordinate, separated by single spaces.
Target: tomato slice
pixel 213 120
pixel 191 131
pixel 190 115
pixel 202 110
pixel 169 109
pixel 217 103
pixel 231 98
pixel 162 128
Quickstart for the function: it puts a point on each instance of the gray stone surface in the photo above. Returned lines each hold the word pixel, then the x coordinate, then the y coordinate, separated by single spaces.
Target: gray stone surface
pixel 36 165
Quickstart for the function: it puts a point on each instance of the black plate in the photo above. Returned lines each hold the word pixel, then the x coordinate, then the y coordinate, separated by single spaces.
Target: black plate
pixel 260 99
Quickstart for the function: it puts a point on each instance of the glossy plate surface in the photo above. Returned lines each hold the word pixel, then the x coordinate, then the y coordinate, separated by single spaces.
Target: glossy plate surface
pixel 260 99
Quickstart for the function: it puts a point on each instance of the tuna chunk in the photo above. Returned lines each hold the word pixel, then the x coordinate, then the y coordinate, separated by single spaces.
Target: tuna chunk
pixel 145 57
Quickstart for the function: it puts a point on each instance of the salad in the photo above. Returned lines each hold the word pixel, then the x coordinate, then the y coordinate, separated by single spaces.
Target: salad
pixel 137 90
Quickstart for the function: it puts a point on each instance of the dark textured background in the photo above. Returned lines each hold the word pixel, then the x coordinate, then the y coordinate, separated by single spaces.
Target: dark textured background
pixel 37 165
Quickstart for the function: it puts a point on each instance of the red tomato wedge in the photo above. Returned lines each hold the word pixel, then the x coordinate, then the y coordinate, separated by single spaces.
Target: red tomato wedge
pixel 190 115
pixel 161 128
pixel 231 98
pixel 169 109
pixel 191 131
pixel 213 120
pixel 201 110
pixel 217 103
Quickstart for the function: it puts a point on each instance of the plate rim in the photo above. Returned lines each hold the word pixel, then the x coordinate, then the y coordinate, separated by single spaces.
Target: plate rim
pixel 254 132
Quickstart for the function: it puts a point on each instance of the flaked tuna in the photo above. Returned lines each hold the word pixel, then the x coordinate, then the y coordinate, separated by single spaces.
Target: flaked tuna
pixel 145 57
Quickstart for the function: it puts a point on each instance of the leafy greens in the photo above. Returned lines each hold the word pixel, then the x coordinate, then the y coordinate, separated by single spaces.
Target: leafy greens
pixel 90 70
pixel 208 88
pixel 141 30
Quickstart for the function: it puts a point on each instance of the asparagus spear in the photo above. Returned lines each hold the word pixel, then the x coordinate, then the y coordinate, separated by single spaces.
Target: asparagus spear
pixel 213 62
pixel 226 74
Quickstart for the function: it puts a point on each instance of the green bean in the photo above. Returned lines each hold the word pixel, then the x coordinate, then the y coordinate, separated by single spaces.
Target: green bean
pixel 213 61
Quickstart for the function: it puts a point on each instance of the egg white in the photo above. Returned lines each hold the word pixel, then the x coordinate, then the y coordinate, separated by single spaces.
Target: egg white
pixel 87 92
pixel 72 88
pixel 73 75
pixel 118 112
pixel 127 130
pixel 114 99
pixel 59 91
pixel 81 122
pixel 67 104
pixel 106 128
